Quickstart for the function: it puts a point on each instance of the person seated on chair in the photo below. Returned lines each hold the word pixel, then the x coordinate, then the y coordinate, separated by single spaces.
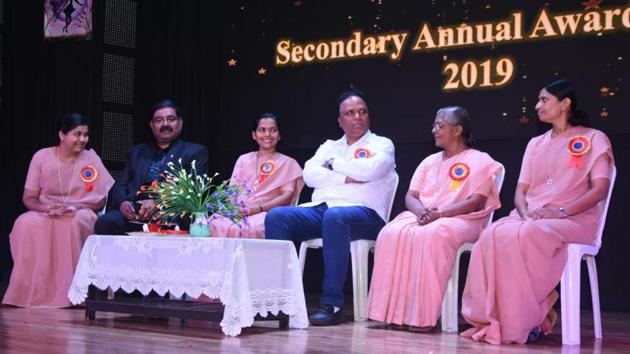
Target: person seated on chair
pixel 450 197
pixel 353 179
pixel 145 163
pixel 518 260
pixel 270 179
pixel 65 187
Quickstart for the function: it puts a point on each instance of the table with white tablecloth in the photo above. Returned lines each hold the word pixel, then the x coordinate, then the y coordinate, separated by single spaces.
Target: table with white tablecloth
pixel 249 277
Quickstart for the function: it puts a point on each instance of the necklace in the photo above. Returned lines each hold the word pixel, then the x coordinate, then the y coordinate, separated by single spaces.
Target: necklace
pixel 64 196
pixel 259 167
pixel 551 167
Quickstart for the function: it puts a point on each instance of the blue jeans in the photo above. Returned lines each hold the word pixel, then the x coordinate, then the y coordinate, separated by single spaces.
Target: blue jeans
pixel 337 226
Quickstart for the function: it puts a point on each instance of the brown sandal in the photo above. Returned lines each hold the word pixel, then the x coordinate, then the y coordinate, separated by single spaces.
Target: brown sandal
pixel 549 322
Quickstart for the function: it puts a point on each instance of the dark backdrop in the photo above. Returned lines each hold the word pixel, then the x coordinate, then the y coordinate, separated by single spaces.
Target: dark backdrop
pixel 182 52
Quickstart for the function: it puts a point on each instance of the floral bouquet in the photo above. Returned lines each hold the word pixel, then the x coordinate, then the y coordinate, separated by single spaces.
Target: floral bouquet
pixel 181 194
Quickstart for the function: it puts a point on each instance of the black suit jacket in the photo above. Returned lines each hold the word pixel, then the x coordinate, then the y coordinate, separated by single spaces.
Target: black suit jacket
pixel 139 160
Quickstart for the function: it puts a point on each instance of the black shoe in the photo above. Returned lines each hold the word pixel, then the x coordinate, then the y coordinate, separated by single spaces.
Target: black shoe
pixel 325 316
pixel 535 335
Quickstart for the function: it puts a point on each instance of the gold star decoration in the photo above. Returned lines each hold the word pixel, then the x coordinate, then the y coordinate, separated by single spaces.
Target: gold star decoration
pixel 262 71
pixel 523 120
pixel 604 90
pixel 591 4
pixel 232 62
pixel 604 113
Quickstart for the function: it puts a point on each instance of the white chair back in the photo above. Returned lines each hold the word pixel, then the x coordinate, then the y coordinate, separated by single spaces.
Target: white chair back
pixel 498 182
pixel 449 304
pixel 390 205
pixel 602 219
pixel 571 277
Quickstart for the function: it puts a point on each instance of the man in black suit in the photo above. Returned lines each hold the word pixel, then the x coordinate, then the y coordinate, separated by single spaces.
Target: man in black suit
pixel 146 162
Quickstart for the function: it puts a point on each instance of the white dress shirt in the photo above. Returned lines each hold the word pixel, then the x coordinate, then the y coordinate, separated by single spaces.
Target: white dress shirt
pixel 370 160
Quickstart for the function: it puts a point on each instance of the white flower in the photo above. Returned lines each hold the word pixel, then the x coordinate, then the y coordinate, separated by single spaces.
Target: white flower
pixel 193 164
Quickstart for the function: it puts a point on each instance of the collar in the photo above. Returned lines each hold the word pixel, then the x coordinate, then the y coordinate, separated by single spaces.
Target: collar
pixel 343 141
pixel 173 143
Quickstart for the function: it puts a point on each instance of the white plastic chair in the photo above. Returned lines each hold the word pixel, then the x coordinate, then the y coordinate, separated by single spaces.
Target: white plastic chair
pixel 570 281
pixel 359 251
pixel 449 304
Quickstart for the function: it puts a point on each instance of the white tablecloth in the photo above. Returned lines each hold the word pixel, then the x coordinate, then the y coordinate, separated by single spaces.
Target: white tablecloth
pixel 250 277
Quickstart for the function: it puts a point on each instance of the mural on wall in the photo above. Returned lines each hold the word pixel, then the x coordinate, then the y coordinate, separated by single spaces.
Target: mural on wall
pixel 67 19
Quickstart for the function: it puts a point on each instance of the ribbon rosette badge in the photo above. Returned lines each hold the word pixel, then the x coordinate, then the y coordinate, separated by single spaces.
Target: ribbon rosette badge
pixel 458 173
pixel 578 146
pixel 88 176
pixel 362 153
pixel 266 169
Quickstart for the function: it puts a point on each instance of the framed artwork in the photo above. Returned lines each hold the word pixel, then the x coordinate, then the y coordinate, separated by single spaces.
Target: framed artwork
pixel 67 19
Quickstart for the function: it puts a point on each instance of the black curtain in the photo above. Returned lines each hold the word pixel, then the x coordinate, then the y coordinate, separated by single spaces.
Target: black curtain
pixel 41 81
pixel 178 58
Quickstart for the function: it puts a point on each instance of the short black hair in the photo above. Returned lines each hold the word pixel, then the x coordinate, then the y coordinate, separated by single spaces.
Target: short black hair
pixel 69 121
pixel 347 94
pixel 562 89
pixel 166 103
pixel 264 116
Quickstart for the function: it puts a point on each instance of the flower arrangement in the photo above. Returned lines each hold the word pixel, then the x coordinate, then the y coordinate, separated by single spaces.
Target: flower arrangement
pixel 183 193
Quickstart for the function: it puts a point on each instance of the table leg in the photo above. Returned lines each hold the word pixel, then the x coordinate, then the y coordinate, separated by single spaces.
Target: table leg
pixel 283 321
pixel 89 312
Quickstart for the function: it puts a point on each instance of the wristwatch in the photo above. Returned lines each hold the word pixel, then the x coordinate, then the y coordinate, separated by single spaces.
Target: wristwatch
pixel 563 211
pixel 329 163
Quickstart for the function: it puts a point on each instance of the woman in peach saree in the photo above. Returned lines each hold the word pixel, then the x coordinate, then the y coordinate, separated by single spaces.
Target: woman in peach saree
pixel 449 200
pixel 66 185
pixel 518 260
pixel 269 179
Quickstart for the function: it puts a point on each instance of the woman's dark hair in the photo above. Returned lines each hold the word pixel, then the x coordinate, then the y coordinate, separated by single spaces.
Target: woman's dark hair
pixel 562 89
pixel 460 117
pixel 70 121
pixel 166 103
pixel 347 94
pixel 265 116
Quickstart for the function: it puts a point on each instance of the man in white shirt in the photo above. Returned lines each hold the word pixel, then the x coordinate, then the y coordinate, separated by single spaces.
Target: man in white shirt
pixel 353 178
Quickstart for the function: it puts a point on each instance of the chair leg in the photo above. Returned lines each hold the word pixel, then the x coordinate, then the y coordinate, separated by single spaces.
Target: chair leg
pixel 359 257
pixel 302 255
pixel 449 304
pixel 570 298
pixel 592 276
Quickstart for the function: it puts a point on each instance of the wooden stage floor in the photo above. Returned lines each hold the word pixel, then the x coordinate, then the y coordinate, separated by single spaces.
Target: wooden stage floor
pixel 53 331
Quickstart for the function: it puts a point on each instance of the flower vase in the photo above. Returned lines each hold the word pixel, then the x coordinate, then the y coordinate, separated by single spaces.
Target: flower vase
pixel 200 226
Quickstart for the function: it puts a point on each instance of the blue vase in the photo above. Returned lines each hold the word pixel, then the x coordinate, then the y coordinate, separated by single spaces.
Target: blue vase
pixel 200 226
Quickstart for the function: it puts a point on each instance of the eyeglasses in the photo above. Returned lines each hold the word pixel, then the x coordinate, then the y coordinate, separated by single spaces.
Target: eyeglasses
pixel 439 125
pixel 161 120
pixel 351 113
